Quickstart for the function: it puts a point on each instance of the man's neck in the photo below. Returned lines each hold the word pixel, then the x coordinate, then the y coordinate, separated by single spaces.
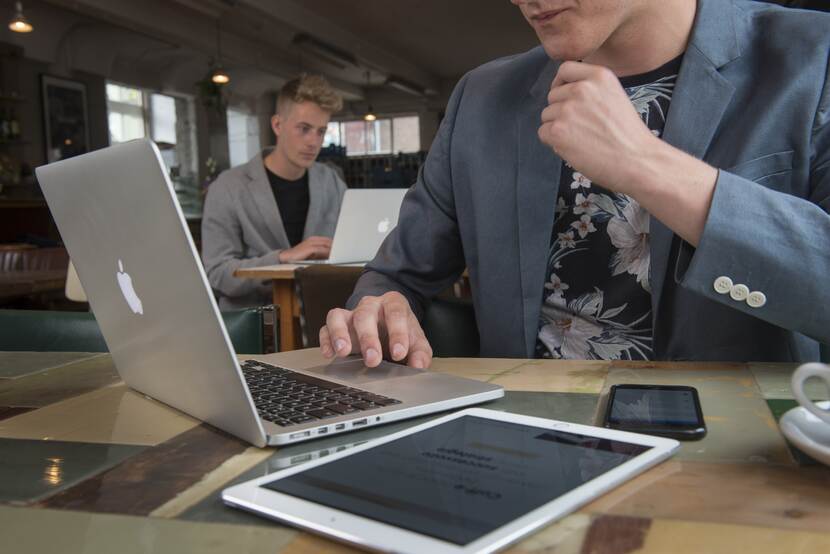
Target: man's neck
pixel 654 36
pixel 278 164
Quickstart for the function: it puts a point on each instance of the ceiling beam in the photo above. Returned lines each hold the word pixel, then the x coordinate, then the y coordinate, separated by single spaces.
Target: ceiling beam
pixel 298 16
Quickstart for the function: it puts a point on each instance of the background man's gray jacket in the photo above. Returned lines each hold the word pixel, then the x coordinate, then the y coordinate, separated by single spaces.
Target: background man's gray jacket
pixel 242 227
pixel 751 99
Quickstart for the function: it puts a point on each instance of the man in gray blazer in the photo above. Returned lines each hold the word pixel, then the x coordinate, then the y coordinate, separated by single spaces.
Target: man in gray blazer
pixel 706 185
pixel 281 206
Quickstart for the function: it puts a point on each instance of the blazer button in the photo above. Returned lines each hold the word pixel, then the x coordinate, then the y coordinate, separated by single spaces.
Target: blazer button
pixel 723 285
pixel 756 299
pixel 739 292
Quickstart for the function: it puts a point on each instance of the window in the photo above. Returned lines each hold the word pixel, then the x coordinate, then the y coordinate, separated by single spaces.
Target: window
pixel 135 113
pixel 163 113
pixel 332 134
pixel 382 136
pixel 406 134
pixel 243 136
pixel 125 107
pixel 168 120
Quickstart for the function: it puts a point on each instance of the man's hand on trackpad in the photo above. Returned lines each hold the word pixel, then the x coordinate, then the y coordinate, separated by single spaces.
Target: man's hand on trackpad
pixel 378 325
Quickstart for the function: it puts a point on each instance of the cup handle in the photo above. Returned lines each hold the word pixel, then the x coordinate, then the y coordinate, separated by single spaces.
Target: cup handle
pixel 803 373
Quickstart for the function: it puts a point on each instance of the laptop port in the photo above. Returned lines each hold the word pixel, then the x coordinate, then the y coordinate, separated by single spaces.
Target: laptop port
pixel 339 426
pixel 299 435
pixel 359 422
pixel 322 430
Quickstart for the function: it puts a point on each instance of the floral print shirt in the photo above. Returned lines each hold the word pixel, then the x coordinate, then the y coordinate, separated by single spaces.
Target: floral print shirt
pixel 597 298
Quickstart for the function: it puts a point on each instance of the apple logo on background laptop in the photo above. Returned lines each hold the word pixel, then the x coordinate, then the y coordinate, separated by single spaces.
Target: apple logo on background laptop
pixel 126 284
pixel 383 226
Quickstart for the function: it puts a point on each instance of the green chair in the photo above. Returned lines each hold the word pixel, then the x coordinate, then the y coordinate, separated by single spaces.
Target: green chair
pixel 451 329
pixel 252 331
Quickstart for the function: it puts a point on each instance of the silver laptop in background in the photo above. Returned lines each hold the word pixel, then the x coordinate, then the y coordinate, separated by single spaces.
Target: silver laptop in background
pixel 126 234
pixel 366 217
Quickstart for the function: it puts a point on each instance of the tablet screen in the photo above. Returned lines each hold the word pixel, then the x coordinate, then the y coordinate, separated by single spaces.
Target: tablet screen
pixel 459 480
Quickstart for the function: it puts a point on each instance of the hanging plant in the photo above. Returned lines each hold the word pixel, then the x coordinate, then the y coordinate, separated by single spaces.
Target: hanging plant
pixel 211 94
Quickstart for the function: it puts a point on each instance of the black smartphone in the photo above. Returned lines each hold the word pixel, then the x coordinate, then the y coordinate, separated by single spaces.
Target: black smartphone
pixel 664 410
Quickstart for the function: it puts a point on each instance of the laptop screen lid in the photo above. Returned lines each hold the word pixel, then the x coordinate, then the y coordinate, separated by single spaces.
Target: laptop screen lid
pixel 367 216
pixel 127 236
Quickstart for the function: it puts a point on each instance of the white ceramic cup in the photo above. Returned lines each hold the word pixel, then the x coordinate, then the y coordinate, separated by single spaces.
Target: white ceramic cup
pixel 800 376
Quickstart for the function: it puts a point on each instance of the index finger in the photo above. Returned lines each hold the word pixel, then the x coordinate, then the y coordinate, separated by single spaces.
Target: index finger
pixel 317 241
pixel 570 72
pixel 338 332
pixel 319 253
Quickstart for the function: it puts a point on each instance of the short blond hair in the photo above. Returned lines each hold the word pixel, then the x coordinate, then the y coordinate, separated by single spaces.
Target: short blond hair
pixel 311 88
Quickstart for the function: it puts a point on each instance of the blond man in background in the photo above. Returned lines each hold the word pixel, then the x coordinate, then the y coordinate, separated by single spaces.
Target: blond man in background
pixel 281 206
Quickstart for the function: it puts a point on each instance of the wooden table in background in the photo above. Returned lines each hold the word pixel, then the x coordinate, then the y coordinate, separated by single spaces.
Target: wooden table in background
pixel 282 279
pixel 88 466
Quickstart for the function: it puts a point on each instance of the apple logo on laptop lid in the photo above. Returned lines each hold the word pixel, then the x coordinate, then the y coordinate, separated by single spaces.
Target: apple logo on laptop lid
pixel 384 224
pixel 125 282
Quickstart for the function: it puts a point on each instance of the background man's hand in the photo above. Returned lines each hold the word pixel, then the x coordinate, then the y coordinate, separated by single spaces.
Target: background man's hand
pixel 312 248
pixel 378 325
pixel 591 123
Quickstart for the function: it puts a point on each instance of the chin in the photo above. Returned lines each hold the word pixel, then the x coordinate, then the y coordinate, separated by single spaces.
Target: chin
pixel 563 51
pixel 304 162
pixel 568 44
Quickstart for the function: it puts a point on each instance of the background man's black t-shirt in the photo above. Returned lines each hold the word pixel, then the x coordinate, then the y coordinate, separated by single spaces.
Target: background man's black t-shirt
pixel 292 200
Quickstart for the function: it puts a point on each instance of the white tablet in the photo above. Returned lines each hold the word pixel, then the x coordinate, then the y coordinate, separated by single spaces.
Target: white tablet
pixel 473 481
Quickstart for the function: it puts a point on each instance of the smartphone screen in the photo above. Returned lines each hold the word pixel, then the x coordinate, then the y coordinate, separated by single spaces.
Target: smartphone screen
pixel 672 411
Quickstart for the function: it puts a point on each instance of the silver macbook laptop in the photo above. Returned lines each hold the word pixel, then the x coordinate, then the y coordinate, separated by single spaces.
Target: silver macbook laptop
pixel 366 217
pixel 125 232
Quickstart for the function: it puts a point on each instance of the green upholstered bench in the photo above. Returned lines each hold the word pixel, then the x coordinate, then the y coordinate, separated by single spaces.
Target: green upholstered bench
pixel 252 331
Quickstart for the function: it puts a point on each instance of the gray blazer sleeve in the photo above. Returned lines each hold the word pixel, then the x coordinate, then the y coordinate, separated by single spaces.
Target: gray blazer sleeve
pixel 423 254
pixel 771 241
pixel 223 250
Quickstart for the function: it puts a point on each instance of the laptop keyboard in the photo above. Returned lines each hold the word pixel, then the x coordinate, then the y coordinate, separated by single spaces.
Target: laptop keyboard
pixel 288 398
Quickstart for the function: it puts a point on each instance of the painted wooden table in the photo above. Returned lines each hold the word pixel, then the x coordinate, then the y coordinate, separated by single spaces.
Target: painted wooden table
pixel 87 466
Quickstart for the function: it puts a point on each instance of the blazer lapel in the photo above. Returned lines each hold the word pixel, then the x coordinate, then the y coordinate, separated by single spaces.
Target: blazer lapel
pixel 263 198
pixel 701 97
pixel 537 186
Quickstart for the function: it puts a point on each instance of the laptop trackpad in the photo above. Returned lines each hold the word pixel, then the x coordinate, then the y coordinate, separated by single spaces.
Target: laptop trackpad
pixel 352 370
